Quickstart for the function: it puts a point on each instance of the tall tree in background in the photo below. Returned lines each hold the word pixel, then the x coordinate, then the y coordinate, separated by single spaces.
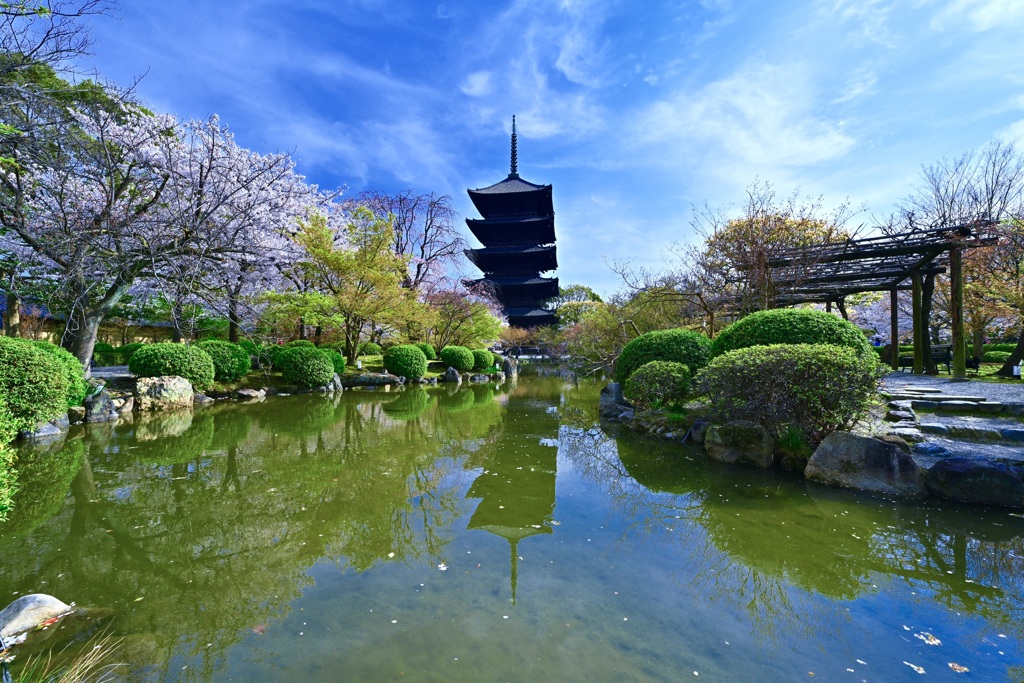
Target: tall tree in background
pixel 424 233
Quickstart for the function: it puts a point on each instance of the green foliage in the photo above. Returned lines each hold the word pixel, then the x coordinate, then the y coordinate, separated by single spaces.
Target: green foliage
pixel 8 425
pixel 337 360
pixel 406 360
pixel 690 348
pixel 167 358
pixel 102 347
pixel 128 350
pixel 790 326
pixel 458 357
pixel 482 359
pixel 658 384
pixel 1001 347
pixel 250 347
pixel 815 388
pixel 428 350
pixel 369 349
pixel 33 382
pixel 77 386
pixel 498 359
pixel 306 366
pixel 409 405
pixel 230 361
pixel 296 343
pixel 996 356
pixel 44 478
pixel 8 480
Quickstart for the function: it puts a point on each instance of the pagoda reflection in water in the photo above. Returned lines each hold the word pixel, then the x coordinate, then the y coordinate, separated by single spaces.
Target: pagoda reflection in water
pixel 517 486
pixel 518 234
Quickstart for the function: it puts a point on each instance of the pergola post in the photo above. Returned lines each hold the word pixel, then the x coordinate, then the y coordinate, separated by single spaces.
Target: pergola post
pixel 956 312
pixel 919 324
pixel 894 329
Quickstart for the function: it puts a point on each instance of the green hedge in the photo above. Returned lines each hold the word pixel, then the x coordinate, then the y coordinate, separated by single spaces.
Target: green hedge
pixel 300 343
pixel 230 361
pixel 306 366
pixel 498 359
pixel 428 350
pixel 815 388
pixel 482 360
pixel 458 357
pixel 790 326
pixel 406 360
pixel 34 383
pixel 102 347
pixel 77 386
pixel 369 349
pixel 8 425
pixel 690 348
pixel 996 356
pixel 337 360
pixel 8 481
pixel 168 358
pixel 658 384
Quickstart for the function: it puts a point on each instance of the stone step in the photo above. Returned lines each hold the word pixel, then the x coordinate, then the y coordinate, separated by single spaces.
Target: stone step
pixel 920 390
pixel 935 397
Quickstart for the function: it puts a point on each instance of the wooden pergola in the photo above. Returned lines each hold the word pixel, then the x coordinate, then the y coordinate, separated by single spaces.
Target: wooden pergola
pixel 828 273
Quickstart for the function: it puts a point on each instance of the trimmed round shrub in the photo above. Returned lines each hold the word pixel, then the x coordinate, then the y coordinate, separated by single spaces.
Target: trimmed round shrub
pixel 428 350
pixel 250 347
pixel 369 349
pixel 790 326
pixel 34 383
pixel 690 348
pixel 102 347
pixel 458 357
pixel 77 386
pixel 337 360
pixel 405 360
pixel 996 356
pixel 658 384
pixel 297 343
pixel 168 358
pixel 814 388
pixel 482 359
pixel 230 361
pixel 306 366
pixel 498 359
pixel 128 350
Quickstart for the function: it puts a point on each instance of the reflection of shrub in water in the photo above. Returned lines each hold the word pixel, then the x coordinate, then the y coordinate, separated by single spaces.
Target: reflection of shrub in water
pixel 179 448
pixel 44 478
pixel 456 401
pixel 232 426
pixel 409 405
pixel 304 416
pixel 483 394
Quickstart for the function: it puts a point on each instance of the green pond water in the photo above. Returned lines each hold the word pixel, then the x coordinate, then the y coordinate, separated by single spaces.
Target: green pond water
pixel 494 533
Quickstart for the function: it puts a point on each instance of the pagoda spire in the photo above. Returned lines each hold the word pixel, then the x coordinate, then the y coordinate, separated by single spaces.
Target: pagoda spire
pixel 515 151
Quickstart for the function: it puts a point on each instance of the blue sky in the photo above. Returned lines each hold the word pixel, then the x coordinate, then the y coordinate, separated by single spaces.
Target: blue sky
pixel 634 110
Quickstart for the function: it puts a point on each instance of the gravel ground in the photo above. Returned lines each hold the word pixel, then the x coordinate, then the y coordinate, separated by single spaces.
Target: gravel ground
pixel 1004 393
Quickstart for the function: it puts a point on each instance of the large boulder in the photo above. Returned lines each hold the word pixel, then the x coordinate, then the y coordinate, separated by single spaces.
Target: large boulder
pixel 986 482
pixel 30 611
pixel 510 366
pixel 162 393
pixel 452 375
pixel 867 464
pixel 740 441
pixel 611 405
pixel 48 431
pixel 99 407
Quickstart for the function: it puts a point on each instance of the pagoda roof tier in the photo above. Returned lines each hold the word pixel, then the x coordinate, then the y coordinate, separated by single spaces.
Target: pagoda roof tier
pixel 513 196
pixel 512 231
pixel 521 290
pixel 513 260
pixel 529 317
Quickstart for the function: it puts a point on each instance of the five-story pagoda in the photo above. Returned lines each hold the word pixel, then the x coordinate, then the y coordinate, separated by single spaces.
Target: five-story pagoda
pixel 518 234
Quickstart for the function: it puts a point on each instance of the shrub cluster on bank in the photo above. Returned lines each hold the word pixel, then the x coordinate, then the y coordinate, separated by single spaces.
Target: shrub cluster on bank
pixel 406 360
pixel 166 358
pixel 37 385
pixel 458 357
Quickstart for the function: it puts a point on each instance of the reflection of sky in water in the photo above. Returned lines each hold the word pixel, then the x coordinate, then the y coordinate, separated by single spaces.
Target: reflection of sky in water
pixel 305 543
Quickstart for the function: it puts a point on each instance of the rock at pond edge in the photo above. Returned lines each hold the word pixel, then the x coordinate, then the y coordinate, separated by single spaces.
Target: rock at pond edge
pixel 867 464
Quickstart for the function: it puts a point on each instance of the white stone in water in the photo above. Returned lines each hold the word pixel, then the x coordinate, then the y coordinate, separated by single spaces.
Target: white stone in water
pixel 29 611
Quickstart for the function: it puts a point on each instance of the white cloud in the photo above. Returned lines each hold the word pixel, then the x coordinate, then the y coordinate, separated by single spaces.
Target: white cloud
pixel 979 15
pixel 862 83
pixel 477 84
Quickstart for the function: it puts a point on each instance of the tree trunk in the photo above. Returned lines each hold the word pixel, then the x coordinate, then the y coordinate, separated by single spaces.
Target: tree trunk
pixel 978 342
pixel 12 326
pixel 233 320
pixel 1015 357
pixel 80 336
pixel 176 323
pixel 841 304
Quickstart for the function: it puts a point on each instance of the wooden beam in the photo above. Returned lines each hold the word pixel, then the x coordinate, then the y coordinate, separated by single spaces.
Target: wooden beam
pixel 956 313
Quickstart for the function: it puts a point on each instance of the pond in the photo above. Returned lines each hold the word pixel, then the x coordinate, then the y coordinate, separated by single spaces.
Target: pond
pixel 493 533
